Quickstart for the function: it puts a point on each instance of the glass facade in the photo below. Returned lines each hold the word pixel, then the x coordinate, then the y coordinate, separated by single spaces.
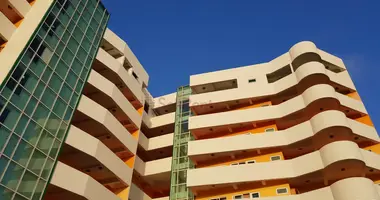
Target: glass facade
pixel 182 135
pixel 40 94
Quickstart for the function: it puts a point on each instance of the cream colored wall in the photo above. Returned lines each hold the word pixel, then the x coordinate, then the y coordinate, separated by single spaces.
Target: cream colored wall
pixel 297 103
pixel 165 100
pixel 21 36
pixel 118 68
pixel 108 88
pixel 157 121
pixel 154 167
pixel 156 142
pixel 22 7
pixel 335 152
pixel 123 47
pixel 286 137
pixel 99 151
pixel 7 28
pixel 103 116
pixel 79 183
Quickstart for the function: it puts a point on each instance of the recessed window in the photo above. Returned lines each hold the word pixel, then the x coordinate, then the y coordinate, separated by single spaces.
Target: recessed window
pixel 241 163
pixel 255 195
pixel 234 163
pixel 252 80
pixel 251 161
pixel 269 130
pixel 238 197
pixel 274 158
pixel 282 190
pixel 220 198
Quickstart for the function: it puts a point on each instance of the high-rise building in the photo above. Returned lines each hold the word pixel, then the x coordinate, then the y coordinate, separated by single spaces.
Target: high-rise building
pixel 77 121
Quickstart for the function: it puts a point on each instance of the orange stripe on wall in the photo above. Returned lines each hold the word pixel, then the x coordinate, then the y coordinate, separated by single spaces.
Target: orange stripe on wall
pixel 269 191
pixel 229 161
pixel 374 148
pixel 354 95
pixel 365 120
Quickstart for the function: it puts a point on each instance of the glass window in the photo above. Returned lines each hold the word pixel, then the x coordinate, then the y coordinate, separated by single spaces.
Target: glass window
pixel 66 92
pixel 71 79
pixel 61 69
pixel 23 152
pixel 39 189
pixel 59 107
pixel 269 130
pixel 10 116
pixel 47 168
pixel 41 114
pixel 21 125
pixel 251 161
pixel 55 147
pixel 255 195
pixel 68 56
pixel 274 158
pixel 12 175
pixel 282 190
pixel 31 105
pixel 47 73
pixel 46 140
pixel 48 97
pixel 32 132
pixel 55 82
pixel 27 184
pixel 252 80
pixel 4 134
pixel 37 161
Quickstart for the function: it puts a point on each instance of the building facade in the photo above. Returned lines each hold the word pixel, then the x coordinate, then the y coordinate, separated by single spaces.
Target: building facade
pixel 78 122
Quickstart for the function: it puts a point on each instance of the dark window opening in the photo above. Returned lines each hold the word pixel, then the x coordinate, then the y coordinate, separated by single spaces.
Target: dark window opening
pixel 146 107
pixel 252 80
pixel 279 74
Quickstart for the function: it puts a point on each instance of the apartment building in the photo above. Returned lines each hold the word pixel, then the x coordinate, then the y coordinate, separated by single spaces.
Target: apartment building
pixel 78 122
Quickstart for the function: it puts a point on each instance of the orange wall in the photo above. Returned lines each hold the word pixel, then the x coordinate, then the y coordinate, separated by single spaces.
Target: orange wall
pixel 253 131
pixel 269 191
pixel 255 105
pixel 365 120
pixel 260 158
pixel 354 95
pixel 374 148
pixel 130 162
pixel 123 194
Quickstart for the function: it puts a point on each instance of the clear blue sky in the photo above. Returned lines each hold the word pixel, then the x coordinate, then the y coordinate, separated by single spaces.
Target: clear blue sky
pixel 174 39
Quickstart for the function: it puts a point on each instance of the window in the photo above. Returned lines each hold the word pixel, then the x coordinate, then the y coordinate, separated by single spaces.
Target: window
pixel 234 164
pixel 251 161
pixel 241 163
pixel 242 196
pixel 269 130
pixel 252 80
pixel 220 198
pixel 274 158
pixel 265 105
pixel 282 190
pixel 255 195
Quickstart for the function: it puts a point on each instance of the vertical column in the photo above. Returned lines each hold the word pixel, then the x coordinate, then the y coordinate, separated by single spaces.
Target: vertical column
pixel 181 162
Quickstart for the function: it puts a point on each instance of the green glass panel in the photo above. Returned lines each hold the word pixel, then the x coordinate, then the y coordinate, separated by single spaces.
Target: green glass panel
pixel 37 161
pixel 12 175
pixel 23 152
pixel 45 142
pixel 39 189
pixel 21 125
pixel 32 132
pixel 27 184
pixel 4 134
pixel 5 193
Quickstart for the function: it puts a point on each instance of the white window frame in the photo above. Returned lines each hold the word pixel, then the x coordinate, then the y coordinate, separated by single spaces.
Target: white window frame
pixel 270 130
pixel 271 158
pixel 253 161
pixel 287 191
pixel 254 193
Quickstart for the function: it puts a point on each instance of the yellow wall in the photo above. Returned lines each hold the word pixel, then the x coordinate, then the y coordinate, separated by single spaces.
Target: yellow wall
pixel 365 120
pixel 260 158
pixel 269 191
